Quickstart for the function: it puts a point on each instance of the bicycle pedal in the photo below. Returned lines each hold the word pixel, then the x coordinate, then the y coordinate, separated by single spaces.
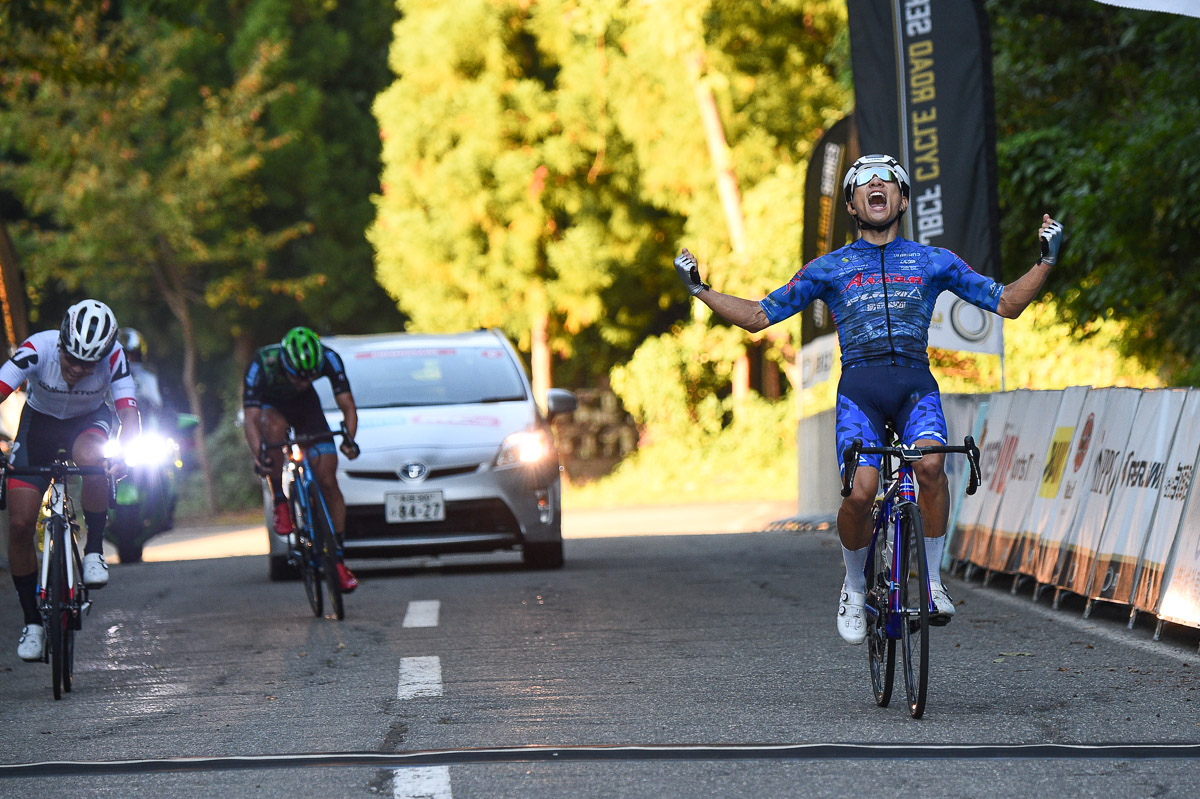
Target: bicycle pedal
pixel 939 621
pixel 86 607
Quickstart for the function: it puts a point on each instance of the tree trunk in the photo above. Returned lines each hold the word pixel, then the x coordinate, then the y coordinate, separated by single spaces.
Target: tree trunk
pixel 731 200
pixel 170 283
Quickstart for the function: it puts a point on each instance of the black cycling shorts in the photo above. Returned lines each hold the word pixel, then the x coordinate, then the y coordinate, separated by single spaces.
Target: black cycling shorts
pixel 40 439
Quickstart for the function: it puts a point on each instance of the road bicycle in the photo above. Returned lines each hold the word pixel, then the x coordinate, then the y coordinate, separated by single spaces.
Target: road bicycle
pixel 313 549
pixel 898 602
pixel 61 594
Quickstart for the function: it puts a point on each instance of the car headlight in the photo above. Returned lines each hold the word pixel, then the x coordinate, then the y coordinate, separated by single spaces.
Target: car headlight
pixel 149 449
pixel 530 446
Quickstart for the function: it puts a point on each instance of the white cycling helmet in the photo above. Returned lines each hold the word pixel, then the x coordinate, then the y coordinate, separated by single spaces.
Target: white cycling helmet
pixel 862 170
pixel 88 331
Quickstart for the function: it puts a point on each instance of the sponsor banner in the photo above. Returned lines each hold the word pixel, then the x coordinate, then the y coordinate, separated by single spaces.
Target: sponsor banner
pixel 923 93
pixel 1138 483
pixel 1054 535
pixel 979 511
pixel 958 325
pixel 817 358
pixel 1032 418
pixel 1055 464
pixel 1176 484
pixel 965 414
pixel 1181 586
pixel 1108 453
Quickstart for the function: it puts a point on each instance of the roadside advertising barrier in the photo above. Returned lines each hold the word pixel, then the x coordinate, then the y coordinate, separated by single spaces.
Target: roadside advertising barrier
pixel 1088 491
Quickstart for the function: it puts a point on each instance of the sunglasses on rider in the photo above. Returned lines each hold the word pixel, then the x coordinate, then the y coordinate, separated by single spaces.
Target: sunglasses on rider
pixel 75 363
pixel 864 176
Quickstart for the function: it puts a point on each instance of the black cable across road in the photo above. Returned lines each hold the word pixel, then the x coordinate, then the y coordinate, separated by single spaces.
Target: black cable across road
pixel 612 753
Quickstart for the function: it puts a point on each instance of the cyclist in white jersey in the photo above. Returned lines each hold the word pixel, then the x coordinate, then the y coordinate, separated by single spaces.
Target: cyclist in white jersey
pixel 69 374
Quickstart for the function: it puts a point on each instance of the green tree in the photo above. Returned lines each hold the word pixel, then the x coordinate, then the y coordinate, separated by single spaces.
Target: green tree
pixel 509 198
pixel 132 194
pixel 1097 112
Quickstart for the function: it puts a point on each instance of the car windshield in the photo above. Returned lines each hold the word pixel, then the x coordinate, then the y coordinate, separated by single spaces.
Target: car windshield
pixel 392 378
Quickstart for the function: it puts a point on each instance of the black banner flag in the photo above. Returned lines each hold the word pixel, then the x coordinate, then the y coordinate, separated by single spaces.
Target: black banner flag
pixel 827 226
pixel 923 93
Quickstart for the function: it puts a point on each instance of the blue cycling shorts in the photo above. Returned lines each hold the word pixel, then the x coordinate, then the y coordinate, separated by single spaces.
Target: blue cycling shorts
pixel 870 396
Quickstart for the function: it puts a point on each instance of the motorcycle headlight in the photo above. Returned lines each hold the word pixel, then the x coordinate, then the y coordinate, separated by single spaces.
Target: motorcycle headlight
pixel 529 447
pixel 149 449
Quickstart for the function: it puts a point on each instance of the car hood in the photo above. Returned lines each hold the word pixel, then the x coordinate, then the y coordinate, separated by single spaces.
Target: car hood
pixel 381 429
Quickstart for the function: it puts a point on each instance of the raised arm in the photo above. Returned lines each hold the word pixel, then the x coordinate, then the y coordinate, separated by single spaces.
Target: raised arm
pixel 1017 295
pixel 746 314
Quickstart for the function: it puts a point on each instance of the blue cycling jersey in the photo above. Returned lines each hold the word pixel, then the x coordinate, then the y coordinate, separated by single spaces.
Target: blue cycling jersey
pixel 882 298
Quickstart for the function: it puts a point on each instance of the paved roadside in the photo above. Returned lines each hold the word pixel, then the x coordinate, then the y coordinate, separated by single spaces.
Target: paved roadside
pixel 222 541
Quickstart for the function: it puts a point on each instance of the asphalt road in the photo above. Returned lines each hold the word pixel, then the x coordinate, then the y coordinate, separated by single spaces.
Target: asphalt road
pixel 673 664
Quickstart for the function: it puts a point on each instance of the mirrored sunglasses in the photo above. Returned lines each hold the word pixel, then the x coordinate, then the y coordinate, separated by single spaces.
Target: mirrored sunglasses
pixel 863 176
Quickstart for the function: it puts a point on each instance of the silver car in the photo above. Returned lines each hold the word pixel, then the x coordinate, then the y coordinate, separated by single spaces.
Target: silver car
pixel 456 455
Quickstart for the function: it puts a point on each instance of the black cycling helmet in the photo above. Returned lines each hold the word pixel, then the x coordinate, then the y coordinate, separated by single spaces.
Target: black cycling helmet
pixel 883 166
pixel 88 331
pixel 302 353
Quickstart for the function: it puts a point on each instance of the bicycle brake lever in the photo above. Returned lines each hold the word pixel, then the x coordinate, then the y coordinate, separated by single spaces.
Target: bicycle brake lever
pixel 850 466
pixel 976 477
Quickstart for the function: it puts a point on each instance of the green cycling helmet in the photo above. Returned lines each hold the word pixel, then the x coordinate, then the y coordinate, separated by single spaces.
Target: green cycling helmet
pixel 302 354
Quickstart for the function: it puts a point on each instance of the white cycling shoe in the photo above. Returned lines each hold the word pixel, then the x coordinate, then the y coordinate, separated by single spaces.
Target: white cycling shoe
pixel 32 642
pixel 943 603
pixel 95 570
pixel 852 620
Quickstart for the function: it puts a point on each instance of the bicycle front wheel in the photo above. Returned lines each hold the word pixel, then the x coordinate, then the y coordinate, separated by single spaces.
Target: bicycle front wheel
pixel 327 550
pixel 914 599
pixel 310 565
pixel 881 650
pixel 56 609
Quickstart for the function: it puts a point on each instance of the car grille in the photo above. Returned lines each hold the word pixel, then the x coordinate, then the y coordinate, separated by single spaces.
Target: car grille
pixel 364 522
pixel 433 473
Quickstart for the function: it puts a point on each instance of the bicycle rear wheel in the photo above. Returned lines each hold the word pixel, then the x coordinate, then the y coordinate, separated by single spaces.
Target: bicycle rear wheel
pixel 881 650
pixel 327 548
pixel 55 609
pixel 914 598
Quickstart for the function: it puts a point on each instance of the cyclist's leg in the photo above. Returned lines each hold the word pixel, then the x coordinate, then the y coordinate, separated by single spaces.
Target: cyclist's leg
pixel 89 433
pixel 35 436
pixel 924 423
pixel 88 450
pixel 324 460
pixel 272 426
pixel 857 418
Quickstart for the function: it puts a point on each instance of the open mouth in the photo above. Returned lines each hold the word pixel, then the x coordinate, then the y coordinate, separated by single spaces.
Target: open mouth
pixel 877 200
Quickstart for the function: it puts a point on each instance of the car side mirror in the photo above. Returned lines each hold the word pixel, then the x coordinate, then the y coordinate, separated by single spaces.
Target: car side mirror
pixel 559 401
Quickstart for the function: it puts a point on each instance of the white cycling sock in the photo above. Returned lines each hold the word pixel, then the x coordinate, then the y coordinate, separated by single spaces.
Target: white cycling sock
pixel 856 561
pixel 933 556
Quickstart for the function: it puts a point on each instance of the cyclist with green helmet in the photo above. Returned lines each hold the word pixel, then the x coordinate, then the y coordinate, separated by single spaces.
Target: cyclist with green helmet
pixel 278 393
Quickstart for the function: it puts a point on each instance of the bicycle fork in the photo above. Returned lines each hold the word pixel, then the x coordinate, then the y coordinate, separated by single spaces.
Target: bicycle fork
pixel 901 565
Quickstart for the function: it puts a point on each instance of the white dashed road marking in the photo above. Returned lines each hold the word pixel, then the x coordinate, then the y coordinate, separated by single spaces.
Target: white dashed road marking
pixel 421 676
pixel 422 613
pixel 427 782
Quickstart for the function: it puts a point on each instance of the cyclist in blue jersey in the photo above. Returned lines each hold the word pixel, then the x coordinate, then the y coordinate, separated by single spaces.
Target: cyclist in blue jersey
pixel 881 291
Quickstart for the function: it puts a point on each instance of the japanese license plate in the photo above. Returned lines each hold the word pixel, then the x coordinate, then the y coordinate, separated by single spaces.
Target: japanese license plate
pixel 415 507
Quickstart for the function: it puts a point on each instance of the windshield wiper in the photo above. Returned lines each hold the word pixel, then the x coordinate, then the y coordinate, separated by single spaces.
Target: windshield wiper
pixel 508 398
